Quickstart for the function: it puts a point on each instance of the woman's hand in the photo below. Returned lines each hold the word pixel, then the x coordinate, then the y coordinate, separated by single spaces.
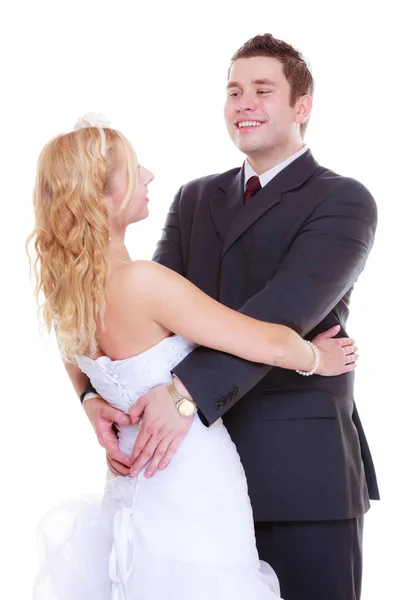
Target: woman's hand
pixel 338 355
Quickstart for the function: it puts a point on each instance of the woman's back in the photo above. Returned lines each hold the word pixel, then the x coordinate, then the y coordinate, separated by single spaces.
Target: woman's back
pixel 129 330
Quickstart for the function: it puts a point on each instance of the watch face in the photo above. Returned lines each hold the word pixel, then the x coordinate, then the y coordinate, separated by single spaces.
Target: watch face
pixel 187 408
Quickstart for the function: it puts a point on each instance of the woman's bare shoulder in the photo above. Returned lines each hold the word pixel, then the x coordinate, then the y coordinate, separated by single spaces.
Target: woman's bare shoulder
pixel 143 271
pixel 141 277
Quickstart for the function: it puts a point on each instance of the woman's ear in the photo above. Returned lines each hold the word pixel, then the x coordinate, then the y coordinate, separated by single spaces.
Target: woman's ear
pixel 109 202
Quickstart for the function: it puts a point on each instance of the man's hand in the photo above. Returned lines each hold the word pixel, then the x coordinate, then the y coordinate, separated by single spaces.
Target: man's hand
pixel 161 432
pixel 117 467
pixel 102 417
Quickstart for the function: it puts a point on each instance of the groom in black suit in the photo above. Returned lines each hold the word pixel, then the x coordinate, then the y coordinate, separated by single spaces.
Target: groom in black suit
pixel 284 240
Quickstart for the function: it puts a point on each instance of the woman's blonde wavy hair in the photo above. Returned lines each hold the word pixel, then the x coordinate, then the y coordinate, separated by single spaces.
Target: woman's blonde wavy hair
pixel 71 233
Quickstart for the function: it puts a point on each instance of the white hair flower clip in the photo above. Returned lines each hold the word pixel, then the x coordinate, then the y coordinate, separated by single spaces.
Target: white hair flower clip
pixel 91 120
pixel 94 120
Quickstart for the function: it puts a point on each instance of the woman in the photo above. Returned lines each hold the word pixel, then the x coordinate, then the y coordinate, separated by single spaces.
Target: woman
pixel 187 533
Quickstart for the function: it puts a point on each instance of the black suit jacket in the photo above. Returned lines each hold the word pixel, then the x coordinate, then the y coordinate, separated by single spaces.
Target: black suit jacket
pixel 291 256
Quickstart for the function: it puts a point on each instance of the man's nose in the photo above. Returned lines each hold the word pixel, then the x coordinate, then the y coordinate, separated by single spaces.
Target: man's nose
pixel 246 102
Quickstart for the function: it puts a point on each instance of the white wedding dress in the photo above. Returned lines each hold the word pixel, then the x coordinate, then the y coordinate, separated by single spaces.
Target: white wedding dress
pixel 185 534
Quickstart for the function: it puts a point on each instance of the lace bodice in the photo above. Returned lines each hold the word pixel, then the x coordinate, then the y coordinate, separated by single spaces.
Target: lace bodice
pixel 122 382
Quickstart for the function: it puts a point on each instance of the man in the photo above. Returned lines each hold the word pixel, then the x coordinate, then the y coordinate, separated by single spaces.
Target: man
pixel 284 240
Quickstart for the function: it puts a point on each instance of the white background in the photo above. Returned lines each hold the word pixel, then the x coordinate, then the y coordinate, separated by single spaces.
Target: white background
pixel 158 71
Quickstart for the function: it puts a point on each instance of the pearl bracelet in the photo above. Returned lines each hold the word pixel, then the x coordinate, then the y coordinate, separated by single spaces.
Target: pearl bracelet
pixel 316 361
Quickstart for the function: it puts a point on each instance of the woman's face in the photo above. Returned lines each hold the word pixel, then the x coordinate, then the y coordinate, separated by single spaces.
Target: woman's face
pixel 137 207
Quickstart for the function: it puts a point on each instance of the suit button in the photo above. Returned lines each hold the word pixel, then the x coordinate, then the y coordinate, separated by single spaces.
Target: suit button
pixel 235 391
pixel 230 396
pixel 219 405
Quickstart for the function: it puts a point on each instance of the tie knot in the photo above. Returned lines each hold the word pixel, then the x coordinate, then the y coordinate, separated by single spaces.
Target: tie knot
pixel 253 186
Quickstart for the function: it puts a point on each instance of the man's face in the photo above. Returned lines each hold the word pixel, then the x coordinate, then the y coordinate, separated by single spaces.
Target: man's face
pixel 257 108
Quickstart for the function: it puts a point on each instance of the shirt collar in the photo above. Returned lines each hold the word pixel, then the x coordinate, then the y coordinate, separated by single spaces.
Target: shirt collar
pixel 271 173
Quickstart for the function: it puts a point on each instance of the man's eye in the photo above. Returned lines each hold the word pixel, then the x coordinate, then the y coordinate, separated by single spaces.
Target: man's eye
pixel 234 94
pixel 264 92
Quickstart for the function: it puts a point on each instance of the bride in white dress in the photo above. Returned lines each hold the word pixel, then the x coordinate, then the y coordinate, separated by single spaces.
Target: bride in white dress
pixel 186 533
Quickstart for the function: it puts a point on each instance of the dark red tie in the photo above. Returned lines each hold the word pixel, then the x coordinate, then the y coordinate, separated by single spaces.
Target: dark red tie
pixel 253 186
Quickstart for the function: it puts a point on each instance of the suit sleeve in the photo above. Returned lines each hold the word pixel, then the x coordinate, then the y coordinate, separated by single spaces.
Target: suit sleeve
pixel 87 389
pixel 323 263
pixel 169 248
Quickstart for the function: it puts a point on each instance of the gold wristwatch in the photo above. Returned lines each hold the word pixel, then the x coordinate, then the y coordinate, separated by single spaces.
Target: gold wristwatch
pixel 186 407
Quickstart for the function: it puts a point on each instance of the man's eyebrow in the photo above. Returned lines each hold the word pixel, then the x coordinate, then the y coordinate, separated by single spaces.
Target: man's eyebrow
pixel 232 84
pixel 265 81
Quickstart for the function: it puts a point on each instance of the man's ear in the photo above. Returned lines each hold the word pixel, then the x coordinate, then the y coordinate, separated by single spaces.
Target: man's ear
pixel 303 108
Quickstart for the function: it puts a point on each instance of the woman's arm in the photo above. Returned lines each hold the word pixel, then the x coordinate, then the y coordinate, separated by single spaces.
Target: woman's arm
pixel 160 295
pixel 179 306
pixel 78 379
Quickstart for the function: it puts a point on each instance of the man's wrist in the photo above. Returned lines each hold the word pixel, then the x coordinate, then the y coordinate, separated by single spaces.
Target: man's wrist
pixel 181 397
pixel 180 388
pixel 88 396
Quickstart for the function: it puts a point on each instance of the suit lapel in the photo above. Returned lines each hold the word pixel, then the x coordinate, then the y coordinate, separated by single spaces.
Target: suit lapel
pixel 232 217
pixel 262 202
pixel 227 202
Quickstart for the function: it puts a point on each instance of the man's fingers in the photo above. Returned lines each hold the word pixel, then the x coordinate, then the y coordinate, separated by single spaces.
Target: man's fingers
pixel 161 423
pixel 158 456
pixel 116 467
pixel 147 431
pixel 136 410
pixel 145 455
pixel 173 447
pixel 141 441
pixel 118 416
pixel 109 441
pixel 345 342
pixel 110 464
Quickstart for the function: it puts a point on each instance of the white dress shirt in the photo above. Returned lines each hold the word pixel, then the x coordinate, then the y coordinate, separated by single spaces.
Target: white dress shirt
pixel 271 173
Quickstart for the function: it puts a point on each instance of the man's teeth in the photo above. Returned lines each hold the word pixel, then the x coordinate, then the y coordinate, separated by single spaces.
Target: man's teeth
pixel 249 124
